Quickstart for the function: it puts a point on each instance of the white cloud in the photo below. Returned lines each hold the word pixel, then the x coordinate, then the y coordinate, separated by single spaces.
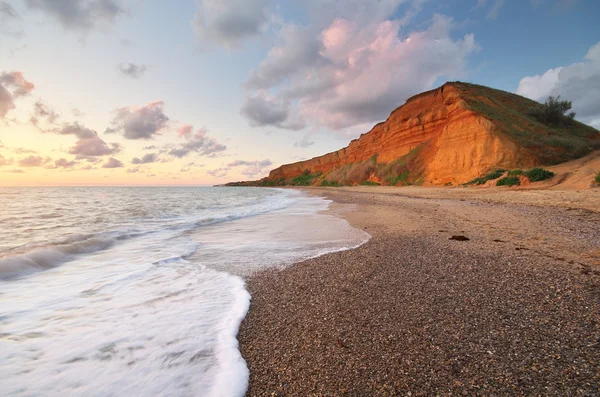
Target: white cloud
pixel 579 83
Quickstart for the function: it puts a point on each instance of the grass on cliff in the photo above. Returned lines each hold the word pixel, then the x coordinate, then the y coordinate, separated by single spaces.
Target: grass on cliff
pixel 406 170
pixel 597 179
pixel 306 179
pixel 515 116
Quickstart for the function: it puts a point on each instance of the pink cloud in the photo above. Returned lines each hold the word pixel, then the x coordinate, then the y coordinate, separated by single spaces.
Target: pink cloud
pixel 352 71
pixel 184 130
pixel 17 81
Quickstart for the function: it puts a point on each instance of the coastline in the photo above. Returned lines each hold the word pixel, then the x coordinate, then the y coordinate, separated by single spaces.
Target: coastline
pixel 515 309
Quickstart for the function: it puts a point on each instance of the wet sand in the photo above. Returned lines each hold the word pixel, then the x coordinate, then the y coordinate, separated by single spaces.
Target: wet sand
pixel 514 310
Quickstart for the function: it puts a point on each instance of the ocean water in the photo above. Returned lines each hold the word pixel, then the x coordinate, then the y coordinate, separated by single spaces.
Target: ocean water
pixel 140 291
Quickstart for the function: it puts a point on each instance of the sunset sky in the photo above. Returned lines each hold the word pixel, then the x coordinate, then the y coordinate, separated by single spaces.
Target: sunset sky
pixel 132 92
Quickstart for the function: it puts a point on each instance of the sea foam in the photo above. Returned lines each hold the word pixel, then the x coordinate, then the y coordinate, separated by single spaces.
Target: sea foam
pixel 143 295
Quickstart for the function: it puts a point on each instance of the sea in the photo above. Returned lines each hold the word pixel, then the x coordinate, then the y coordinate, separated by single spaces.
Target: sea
pixel 140 291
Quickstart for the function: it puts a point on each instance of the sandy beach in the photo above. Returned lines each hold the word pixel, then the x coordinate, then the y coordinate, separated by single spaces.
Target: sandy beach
pixel 513 310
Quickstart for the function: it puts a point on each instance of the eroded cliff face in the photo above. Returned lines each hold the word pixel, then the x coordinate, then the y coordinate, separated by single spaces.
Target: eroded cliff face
pixel 456 143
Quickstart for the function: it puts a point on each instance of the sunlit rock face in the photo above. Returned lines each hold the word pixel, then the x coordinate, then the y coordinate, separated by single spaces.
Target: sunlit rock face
pixel 460 130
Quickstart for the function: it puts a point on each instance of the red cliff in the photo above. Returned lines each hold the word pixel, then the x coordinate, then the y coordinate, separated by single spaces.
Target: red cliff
pixel 449 135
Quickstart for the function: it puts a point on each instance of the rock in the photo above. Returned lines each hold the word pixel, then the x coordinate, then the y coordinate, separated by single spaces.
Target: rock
pixel 459 238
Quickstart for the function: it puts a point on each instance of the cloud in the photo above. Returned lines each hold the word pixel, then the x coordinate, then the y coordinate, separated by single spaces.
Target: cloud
pixel 220 172
pixel 133 170
pixel 230 22
pixel 112 163
pixel 304 142
pixel 263 111
pixel 132 70
pixel 77 113
pixel 81 15
pixel 22 150
pixel 237 163
pixel 64 163
pixel 139 122
pixel 579 83
pixel 352 69
pixel 89 144
pixel 15 80
pixel 42 111
pixel 93 147
pixel 33 161
pixel 15 171
pixel 20 87
pixel 151 147
pixel 76 129
pixel 7 11
pixel 495 9
pixel 185 130
pixel 146 159
pixel 5 161
pixel 199 143
pixel 6 102
pixel 252 168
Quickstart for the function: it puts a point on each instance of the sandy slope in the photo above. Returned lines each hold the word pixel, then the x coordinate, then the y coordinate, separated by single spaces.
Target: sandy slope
pixel 576 174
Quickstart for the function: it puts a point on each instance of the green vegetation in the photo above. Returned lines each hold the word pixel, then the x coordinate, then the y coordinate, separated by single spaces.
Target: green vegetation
pixel 516 117
pixel 405 170
pixel 534 175
pixel 306 179
pixel 271 182
pixel 538 174
pixel 508 181
pixel 489 177
pixel 325 182
pixel 553 111
pixel 370 183
pixel 597 179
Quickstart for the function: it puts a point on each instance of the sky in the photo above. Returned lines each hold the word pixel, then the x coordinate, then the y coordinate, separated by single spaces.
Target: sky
pixel 200 92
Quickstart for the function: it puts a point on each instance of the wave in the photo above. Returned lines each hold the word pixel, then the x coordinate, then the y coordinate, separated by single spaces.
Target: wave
pixel 32 258
pixel 42 258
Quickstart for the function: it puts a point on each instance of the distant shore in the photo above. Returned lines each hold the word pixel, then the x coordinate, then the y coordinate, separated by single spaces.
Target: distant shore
pixel 515 309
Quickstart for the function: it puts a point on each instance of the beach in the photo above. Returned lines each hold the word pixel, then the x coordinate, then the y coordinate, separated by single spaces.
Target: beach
pixel 458 292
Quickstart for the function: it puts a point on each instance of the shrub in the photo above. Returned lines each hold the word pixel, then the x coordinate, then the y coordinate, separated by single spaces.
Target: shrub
pixel 490 176
pixel 494 174
pixel 325 182
pixel 508 181
pixel 597 179
pixel 370 183
pixel 538 174
pixel 553 111
pixel 515 172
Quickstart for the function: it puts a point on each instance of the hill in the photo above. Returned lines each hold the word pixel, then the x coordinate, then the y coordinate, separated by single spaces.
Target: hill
pixel 449 135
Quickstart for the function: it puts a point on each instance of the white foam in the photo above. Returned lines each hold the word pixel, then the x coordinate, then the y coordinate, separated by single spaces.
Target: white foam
pixel 151 307
pixel 232 377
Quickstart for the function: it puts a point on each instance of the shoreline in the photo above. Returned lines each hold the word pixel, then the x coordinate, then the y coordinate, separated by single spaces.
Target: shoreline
pixel 515 309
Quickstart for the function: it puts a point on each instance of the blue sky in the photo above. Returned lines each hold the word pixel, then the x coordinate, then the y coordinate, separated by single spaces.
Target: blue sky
pixel 216 90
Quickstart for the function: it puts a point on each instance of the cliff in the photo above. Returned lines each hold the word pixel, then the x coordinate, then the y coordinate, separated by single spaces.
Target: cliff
pixel 451 134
